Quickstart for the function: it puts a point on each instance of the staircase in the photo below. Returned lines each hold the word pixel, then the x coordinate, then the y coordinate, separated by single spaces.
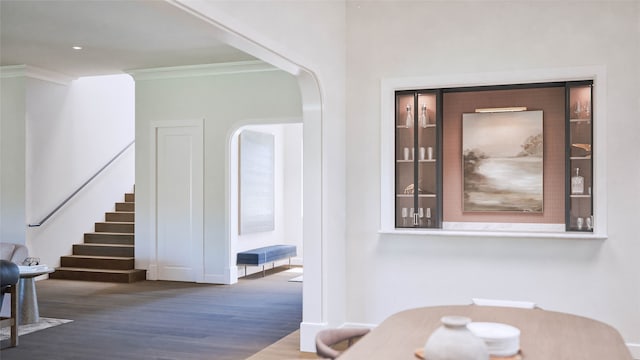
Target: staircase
pixel 108 253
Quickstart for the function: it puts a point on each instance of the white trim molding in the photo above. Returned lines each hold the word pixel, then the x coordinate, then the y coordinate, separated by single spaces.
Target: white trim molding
pixel 387 181
pixel 229 68
pixel 35 73
pixel 307 343
pixel 229 277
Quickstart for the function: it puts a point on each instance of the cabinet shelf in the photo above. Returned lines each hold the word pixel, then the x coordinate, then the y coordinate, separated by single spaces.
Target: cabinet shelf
pixel 580 121
pixel 580 157
pixel 578 196
pixel 420 161
pixel 409 196
pixel 419 127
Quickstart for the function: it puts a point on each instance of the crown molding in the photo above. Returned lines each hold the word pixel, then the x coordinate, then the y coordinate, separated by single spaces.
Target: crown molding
pixel 238 67
pixel 34 73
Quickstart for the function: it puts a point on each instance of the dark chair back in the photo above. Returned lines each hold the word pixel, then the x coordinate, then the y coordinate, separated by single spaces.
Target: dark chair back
pixel 9 276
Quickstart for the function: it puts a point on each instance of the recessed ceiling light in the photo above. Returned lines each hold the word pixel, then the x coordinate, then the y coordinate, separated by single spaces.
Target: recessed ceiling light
pixel 77 47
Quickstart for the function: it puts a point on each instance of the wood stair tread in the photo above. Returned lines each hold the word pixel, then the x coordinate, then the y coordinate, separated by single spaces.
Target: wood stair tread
pixel 108 233
pixel 105 244
pixel 111 271
pixel 101 257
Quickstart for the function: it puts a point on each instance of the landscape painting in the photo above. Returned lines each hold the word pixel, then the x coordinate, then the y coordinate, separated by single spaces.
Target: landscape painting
pixel 502 161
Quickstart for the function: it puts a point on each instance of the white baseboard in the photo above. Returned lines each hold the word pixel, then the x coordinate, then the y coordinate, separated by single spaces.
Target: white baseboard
pixel 216 279
pixel 231 273
pixel 152 272
pixel 296 261
pixel 635 350
pixel 308 333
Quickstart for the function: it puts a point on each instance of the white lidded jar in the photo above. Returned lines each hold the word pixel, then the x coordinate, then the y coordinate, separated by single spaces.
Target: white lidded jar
pixel 454 341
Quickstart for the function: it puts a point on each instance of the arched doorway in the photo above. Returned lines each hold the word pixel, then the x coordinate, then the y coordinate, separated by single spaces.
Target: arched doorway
pixel 287 190
pixel 315 315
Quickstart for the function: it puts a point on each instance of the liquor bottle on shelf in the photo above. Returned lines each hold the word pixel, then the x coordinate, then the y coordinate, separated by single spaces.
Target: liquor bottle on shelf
pixel 409 120
pixel 424 116
pixel 577 183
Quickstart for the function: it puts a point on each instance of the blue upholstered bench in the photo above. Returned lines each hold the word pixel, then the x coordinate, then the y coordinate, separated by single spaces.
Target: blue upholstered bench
pixel 264 255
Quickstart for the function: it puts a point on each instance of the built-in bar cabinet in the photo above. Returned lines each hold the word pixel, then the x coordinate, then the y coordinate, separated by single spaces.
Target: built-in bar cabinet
pixel 418 147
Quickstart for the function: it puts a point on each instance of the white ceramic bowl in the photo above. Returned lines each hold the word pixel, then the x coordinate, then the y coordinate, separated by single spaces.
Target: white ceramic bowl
pixel 501 339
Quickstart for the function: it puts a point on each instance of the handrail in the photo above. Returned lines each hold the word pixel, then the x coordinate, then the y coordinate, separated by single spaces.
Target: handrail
pixel 82 186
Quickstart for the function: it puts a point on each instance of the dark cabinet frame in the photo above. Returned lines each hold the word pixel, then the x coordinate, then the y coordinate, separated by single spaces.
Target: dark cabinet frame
pixel 584 202
pixel 436 214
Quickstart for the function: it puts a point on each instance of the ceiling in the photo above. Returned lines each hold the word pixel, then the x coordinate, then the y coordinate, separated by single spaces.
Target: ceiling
pixel 115 36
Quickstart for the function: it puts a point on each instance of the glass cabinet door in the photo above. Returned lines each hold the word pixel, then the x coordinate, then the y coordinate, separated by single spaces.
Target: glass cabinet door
pixel 579 187
pixel 417 167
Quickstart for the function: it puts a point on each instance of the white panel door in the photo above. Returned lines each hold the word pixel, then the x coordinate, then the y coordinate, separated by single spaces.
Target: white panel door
pixel 179 203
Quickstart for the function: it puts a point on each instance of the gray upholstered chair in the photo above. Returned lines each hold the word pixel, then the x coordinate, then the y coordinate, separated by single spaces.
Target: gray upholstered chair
pixel 15 253
pixel 327 338
pixel 9 276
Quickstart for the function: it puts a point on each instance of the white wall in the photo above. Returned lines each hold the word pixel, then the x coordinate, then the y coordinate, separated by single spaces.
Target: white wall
pixel 308 39
pixel 71 132
pixel 288 194
pixel 12 159
pixel 292 186
pixel 388 273
pixel 226 102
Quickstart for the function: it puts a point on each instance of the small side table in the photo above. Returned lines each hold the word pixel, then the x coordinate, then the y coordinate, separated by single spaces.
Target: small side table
pixel 27 298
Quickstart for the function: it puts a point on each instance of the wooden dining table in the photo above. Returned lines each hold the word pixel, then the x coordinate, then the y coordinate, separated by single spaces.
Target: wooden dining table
pixel 544 335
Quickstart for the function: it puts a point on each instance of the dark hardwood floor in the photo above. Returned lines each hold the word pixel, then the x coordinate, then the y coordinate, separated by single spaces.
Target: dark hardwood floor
pixel 163 320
